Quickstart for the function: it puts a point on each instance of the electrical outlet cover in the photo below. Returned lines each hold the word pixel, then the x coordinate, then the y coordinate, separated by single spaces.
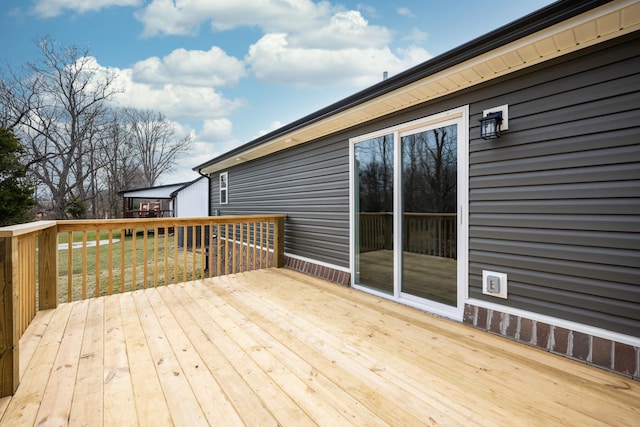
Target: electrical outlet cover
pixel 494 284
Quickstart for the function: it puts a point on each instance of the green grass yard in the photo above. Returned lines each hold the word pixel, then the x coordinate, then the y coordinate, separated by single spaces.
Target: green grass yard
pixel 144 260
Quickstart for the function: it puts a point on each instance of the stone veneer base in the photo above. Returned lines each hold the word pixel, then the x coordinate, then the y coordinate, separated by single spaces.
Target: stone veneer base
pixel 327 273
pixel 611 355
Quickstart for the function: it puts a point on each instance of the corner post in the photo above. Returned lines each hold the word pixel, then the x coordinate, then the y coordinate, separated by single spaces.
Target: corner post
pixel 48 268
pixel 9 336
pixel 278 242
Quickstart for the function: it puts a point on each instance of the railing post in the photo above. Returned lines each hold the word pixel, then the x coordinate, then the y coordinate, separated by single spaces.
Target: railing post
pixel 48 268
pixel 9 337
pixel 278 242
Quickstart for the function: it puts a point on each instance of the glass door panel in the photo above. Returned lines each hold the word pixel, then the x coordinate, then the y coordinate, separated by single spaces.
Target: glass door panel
pixel 374 213
pixel 429 206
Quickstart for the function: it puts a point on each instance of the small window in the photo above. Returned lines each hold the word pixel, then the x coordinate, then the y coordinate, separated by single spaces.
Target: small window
pixel 224 188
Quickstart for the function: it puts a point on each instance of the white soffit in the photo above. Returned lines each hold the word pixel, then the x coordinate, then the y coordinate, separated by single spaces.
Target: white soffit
pixel 596 26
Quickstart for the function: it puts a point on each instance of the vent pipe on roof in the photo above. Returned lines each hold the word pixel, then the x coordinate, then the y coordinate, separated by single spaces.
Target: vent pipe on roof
pixel 385 75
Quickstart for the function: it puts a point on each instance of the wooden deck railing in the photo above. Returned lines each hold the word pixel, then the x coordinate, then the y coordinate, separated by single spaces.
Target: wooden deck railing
pixel 423 233
pixel 102 257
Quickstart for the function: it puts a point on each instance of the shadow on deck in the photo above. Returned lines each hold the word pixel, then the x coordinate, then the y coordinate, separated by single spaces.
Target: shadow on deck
pixel 277 347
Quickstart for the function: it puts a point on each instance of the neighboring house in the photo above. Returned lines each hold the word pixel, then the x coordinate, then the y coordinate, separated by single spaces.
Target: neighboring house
pixel 191 200
pixel 181 200
pixel 141 202
pixel 534 235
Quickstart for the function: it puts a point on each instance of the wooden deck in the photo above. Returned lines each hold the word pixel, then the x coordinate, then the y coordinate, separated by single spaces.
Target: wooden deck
pixel 276 347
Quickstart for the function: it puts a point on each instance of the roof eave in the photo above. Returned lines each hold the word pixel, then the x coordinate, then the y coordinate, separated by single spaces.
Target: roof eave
pixel 523 27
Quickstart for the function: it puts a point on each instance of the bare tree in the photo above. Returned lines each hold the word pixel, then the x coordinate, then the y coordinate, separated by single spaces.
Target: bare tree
pixel 67 99
pixel 16 98
pixel 121 169
pixel 156 143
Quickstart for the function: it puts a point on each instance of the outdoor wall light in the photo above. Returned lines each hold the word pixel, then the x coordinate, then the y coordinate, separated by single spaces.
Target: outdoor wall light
pixel 494 121
pixel 490 125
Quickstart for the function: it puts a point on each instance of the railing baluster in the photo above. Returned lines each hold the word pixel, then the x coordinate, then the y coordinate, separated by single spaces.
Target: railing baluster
pixel 202 249
pixel 226 249
pixel 155 257
pixel 145 256
pixel 219 252
pixel 268 251
pixel 69 266
pixel 165 253
pixel 134 237
pixel 84 264
pixel 194 237
pixel 175 253
pixel 97 263
pixel 234 259
pixel 211 228
pixel 243 265
pixel 254 243
pixel 261 249
pixel 123 235
pixel 185 230
pixel 110 263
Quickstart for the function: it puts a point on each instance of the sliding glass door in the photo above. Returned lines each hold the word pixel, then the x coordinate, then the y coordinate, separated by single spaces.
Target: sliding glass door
pixel 374 160
pixel 429 211
pixel 409 198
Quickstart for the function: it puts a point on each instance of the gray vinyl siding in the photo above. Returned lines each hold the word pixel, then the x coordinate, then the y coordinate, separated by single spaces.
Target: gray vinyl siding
pixel 309 183
pixel 555 202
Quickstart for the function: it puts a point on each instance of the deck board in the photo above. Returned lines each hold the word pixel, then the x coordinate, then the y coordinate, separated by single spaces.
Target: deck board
pixel 55 406
pixel 86 405
pixel 276 347
pixel 119 405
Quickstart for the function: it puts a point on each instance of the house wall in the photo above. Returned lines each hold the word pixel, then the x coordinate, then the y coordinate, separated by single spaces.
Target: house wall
pixel 554 203
pixel 310 184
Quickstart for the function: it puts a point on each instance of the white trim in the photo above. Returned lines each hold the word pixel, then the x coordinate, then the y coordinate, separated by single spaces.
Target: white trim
pixel 555 321
pixel 320 263
pixel 463 210
pixel 407 127
pixel 397 211
pixel 352 207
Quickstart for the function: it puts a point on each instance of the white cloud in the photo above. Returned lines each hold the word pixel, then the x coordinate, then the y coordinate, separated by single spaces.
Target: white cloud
pixel 216 129
pixel 191 68
pixel 51 8
pixel 368 9
pixel 416 36
pixel 272 126
pixel 344 29
pixel 175 101
pixel 405 11
pixel 185 17
pixel 273 60
pixel 305 44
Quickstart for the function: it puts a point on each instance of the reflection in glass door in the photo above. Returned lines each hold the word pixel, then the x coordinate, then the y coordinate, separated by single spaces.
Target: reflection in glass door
pixel 429 206
pixel 374 213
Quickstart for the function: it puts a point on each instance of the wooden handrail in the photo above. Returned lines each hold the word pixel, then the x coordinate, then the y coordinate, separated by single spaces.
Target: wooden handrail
pixel 159 251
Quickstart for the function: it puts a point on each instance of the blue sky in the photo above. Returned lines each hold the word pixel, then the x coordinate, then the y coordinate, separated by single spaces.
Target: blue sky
pixel 228 71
